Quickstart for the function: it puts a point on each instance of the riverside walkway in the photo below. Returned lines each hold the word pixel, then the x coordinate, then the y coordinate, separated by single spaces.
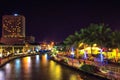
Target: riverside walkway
pixel 109 71
pixel 5 60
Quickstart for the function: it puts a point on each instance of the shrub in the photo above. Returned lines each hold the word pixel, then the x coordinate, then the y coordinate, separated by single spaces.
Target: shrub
pixel 89 68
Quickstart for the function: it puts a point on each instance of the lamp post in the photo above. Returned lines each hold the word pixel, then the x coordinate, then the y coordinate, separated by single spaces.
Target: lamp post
pixel 85 54
pixel 101 56
pixel 72 55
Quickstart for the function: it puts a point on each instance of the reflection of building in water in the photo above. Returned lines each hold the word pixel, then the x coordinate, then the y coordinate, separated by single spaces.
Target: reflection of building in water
pixel 27 64
pixel 44 60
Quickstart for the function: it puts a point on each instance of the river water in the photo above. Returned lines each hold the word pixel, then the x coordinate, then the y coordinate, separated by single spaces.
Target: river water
pixel 39 67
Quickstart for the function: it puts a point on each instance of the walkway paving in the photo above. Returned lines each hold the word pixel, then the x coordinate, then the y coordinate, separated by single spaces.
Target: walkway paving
pixel 5 60
pixel 109 71
pixel 113 70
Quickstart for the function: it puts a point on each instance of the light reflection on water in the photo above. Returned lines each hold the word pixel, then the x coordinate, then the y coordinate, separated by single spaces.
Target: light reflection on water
pixel 8 70
pixel 38 67
pixel 44 60
pixel 55 70
pixel 73 77
pixel 2 75
pixel 37 59
pixel 26 63
pixel 17 65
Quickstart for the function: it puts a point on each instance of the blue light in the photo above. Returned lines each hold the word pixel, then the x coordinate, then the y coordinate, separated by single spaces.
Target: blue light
pixel 17 64
pixel 101 56
pixel 85 55
pixel 72 52
pixel 15 14
pixel 37 49
pixel 37 59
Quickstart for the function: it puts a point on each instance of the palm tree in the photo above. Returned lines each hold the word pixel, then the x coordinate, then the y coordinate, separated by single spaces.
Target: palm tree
pixel 116 42
pixel 96 33
pixel 69 41
pixel 116 39
pixel 89 35
pixel 76 43
pixel 104 37
pixel 72 41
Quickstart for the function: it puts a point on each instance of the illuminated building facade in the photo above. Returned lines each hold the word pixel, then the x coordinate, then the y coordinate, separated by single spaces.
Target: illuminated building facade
pixel 13 29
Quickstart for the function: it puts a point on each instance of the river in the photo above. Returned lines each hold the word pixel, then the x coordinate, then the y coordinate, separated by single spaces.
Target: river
pixel 39 67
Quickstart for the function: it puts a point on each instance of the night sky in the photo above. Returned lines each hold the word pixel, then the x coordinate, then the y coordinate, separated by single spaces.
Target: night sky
pixel 55 20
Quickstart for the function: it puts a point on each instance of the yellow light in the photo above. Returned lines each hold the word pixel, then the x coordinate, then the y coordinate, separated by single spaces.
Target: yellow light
pixel 73 77
pixel 44 59
pixel 55 70
pixel 80 44
pixel 94 45
pixel 58 71
pixel 27 64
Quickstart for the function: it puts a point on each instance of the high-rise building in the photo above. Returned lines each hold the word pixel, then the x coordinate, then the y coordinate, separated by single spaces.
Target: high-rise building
pixel 13 29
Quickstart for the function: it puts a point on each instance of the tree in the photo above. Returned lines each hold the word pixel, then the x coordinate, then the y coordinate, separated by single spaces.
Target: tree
pixel 99 34
pixel 72 41
pixel 89 34
pixel 103 35
pixel 69 41
pixel 116 42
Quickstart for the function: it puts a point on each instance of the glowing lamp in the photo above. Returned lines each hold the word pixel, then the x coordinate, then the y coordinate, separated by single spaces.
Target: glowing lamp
pixel 15 14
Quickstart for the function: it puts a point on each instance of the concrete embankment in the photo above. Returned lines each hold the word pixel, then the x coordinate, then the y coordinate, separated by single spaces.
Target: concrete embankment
pixel 8 59
pixel 101 77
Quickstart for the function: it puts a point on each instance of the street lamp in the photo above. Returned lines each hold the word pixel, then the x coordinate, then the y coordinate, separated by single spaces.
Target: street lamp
pixel 72 55
pixel 101 56
pixel 85 54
